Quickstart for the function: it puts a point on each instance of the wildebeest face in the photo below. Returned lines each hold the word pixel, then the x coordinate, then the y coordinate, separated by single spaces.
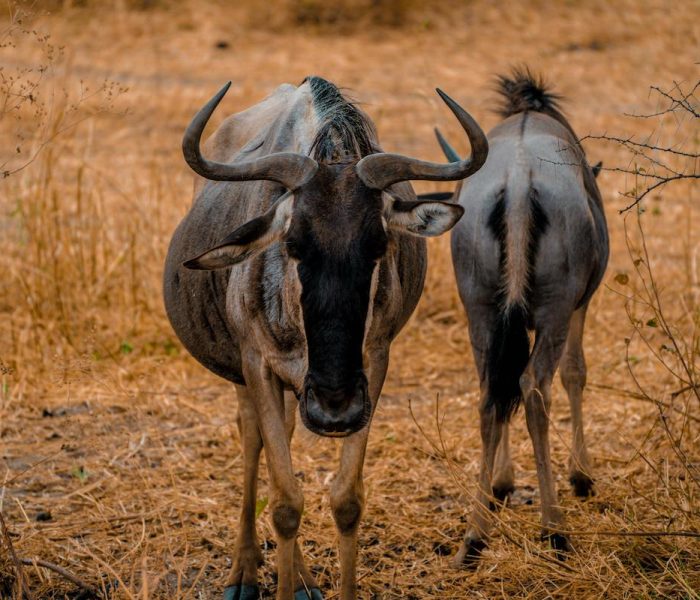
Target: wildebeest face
pixel 335 239
pixel 335 230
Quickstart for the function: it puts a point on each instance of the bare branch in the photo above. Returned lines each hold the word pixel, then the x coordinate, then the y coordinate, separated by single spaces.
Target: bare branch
pixel 676 103
pixel 664 166
pixel 61 571
pixel 24 586
pixel 630 142
pixel 639 197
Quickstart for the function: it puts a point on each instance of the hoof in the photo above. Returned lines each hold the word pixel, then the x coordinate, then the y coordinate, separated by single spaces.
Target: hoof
pixel 559 543
pixel 304 595
pixel 241 592
pixel 582 485
pixel 501 493
pixel 469 554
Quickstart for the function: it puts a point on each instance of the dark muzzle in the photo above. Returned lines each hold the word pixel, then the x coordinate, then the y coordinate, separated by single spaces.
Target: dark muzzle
pixel 335 411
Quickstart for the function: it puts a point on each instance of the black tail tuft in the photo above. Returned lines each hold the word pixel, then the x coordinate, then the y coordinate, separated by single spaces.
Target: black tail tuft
pixel 508 356
pixel 522 90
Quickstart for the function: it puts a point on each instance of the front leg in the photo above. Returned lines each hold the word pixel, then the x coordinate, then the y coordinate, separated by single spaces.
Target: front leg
pixel 243 579
pixel 286 499
pixel 572 369
pixel 347 492
pixel 305 583
pixel 347 503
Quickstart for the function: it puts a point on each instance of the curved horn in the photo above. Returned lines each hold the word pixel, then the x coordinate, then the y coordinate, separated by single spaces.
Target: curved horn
pixel 449 152
pixel 288 168
pixel 379 171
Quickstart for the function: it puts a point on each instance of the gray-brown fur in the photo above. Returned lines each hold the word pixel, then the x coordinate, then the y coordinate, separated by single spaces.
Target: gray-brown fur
pixel 196 300
pixel 302 287
pixel 533 266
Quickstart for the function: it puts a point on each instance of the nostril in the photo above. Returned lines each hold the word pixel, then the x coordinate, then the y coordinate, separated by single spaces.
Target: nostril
pixel 335 409
pixel 332 399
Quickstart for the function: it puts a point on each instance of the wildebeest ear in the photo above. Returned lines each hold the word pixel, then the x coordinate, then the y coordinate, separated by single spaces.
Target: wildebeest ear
pixel 423 218
pixel 596 168
pixel 246 241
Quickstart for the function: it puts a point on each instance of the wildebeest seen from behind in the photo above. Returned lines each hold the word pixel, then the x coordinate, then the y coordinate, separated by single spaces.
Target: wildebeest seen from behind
pixel 324 267
pixel 528 256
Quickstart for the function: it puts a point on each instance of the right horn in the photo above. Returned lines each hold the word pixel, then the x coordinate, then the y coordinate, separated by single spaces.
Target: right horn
pixel 449 152
pixel 379 171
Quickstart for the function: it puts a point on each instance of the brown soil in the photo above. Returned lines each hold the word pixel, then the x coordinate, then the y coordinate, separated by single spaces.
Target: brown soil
pixel 108 425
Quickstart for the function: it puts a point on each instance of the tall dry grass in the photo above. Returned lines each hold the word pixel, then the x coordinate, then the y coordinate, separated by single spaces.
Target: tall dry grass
pixel 109 430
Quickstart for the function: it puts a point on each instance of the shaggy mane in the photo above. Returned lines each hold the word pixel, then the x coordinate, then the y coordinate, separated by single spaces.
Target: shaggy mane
pixel 345 131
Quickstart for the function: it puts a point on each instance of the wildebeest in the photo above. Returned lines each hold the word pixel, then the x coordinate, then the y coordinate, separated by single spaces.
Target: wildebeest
pixel 528 256
pixel 325 265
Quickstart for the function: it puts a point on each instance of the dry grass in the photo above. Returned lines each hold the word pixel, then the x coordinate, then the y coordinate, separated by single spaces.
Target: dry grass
pixel 106 424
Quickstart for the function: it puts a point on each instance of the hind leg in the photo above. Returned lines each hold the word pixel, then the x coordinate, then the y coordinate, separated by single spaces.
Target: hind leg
pixel 573 377
pixel 481 519
pixel 242 583
pixel 481 323
pixel 503 484
pixel 536 384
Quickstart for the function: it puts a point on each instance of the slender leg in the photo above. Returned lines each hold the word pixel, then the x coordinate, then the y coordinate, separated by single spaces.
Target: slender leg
pixel 243 577
pixel 347 492
pixel 286 499
pixel 304 580
pixel 481 325
pixel 481 519
pixel 290 414
pixel 347 503
pixel 503 476
pixel 536 384
pixel 573 377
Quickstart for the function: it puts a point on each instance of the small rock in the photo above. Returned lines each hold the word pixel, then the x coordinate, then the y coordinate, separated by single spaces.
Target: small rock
pixel 441 549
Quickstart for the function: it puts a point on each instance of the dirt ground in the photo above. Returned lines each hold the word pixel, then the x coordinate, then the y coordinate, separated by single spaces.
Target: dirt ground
pixel 120 455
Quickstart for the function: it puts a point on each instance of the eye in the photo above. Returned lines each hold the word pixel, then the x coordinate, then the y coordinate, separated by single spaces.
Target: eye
pixel 293 249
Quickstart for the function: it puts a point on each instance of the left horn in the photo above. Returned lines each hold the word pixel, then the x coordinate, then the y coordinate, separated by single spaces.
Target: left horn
pixel 287 168
pixel 379 171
